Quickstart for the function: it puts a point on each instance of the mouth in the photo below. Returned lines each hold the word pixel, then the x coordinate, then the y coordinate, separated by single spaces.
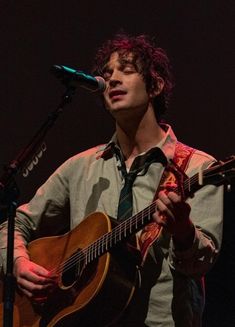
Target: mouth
pixel 116 94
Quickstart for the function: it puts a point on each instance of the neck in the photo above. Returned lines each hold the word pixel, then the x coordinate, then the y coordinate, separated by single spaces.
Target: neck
pixel 138 135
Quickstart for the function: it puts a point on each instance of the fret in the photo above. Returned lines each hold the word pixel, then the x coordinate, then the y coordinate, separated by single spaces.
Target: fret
pixel 85 258
pixel 120 233
pixel 102 246
pixel 150 212
pixel 91 251
pixel 110 242
pixel 91 257
pixel 130 228
pixel 136 222
pixel 89 254
pixel 106 243
pixel 115 237
pixel 94 251
pixel 217 175
pixel 142 218
pixel 125 228
pixel 98 246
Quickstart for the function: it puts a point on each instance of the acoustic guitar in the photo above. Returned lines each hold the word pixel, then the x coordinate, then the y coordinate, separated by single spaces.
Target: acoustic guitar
pixel 97 265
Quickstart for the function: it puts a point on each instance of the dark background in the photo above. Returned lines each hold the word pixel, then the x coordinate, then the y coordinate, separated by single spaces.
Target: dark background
pixel 199 39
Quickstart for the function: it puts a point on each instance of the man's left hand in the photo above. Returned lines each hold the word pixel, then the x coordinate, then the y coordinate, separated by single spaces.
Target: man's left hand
pixel 173 214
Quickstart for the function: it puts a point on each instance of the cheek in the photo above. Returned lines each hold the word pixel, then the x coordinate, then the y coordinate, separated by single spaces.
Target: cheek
pixel 106 102
pixel 105 99
pixel 140 89
pixel 141 95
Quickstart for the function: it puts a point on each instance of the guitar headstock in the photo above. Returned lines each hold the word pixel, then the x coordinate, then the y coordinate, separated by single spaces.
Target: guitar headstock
pixel 221 172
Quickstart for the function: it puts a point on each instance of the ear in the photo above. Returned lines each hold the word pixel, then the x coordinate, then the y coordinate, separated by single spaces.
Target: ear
pixel 159 87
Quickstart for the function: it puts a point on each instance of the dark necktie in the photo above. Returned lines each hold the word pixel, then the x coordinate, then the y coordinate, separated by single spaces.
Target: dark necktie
pixel 125 205
pixel 125 200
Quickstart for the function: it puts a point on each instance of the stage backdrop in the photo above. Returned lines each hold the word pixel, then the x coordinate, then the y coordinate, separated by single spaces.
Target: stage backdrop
pixel 34 35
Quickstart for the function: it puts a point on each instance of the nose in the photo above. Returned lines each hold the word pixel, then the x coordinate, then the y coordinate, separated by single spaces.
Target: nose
pixel 115 78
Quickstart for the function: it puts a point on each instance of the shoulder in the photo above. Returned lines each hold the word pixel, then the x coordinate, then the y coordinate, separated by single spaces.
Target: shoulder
pixel 89 153
pixel 200 160
pixel 197 159
pixel 81 160
pixel 196 154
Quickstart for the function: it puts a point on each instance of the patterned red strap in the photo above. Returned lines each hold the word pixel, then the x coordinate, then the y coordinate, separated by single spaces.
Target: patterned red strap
pixel 151 232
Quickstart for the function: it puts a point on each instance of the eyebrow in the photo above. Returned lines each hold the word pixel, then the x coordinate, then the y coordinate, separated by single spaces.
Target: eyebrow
pixel 123 62
pixel 126 61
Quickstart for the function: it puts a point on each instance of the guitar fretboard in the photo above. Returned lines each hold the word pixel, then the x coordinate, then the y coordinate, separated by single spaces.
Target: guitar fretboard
pixel 213 175
pixel 128 227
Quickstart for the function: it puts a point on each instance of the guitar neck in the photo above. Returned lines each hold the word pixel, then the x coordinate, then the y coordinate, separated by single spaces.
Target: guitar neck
pixel 221 173
pixel 218 174
pixel 132 225
pixel 119 233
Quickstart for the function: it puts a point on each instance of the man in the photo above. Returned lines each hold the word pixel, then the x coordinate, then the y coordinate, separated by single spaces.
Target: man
pixel 139 84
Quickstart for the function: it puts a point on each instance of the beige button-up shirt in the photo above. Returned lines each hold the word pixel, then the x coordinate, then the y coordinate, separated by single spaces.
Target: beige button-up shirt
pixel 171 293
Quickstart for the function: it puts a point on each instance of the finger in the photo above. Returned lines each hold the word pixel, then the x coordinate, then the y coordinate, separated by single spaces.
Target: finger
pixel 164 206
pixel 34 277
pixel 174 197
pixel 26 292
pixel 160 219
pixel 164 200
pixel 40 271
pixel 164 216
pixel 33 286
pixel 31 281
pixel 37 296
pixel 41 274
pixel 179 206
pixel 171 187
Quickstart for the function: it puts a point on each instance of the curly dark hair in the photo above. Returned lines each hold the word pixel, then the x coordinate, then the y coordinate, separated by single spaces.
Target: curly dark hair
pixel 149 60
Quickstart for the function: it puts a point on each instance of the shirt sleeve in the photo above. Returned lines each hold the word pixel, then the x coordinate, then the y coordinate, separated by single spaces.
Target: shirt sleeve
pixel 207 217
pixel 43 210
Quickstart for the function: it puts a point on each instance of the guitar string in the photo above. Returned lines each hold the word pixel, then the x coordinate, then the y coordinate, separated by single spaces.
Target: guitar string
pixel 104 241
pixel 93 250
pixel 188 183
pixel 113 236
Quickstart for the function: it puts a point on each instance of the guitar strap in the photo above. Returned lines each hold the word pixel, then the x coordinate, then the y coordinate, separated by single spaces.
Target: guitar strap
pixel 173 174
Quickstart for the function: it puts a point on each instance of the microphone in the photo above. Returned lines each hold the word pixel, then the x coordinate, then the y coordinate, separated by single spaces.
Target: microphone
pixel 69 75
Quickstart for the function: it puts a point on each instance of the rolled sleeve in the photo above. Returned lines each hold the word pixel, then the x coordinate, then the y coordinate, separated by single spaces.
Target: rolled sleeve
pixel 207 216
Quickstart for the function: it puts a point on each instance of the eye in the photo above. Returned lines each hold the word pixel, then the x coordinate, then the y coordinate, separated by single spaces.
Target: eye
pixel 107 75
pixel 129 69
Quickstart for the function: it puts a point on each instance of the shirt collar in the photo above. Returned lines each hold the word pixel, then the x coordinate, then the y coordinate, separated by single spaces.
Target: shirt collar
pixel 167 144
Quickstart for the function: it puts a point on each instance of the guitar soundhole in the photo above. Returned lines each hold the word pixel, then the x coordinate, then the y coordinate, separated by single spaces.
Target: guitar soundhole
pixel 72 270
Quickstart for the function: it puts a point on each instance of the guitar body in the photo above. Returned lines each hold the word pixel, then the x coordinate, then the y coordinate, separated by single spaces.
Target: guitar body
pixel 92 294
pixel 97 274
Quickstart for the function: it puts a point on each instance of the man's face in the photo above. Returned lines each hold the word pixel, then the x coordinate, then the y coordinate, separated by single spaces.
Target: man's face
pixel 126 90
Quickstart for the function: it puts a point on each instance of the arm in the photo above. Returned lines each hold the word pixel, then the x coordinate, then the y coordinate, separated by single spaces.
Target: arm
pixel 195 226
pixel 42 210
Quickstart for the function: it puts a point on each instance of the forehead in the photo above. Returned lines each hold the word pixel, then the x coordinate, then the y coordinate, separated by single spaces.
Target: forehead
pixel 120 58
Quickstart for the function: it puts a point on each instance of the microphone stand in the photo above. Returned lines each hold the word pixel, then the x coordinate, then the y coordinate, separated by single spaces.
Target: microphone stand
pixel 8 198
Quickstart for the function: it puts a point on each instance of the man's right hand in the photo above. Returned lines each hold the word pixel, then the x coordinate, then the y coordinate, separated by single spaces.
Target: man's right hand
pixel 33 280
